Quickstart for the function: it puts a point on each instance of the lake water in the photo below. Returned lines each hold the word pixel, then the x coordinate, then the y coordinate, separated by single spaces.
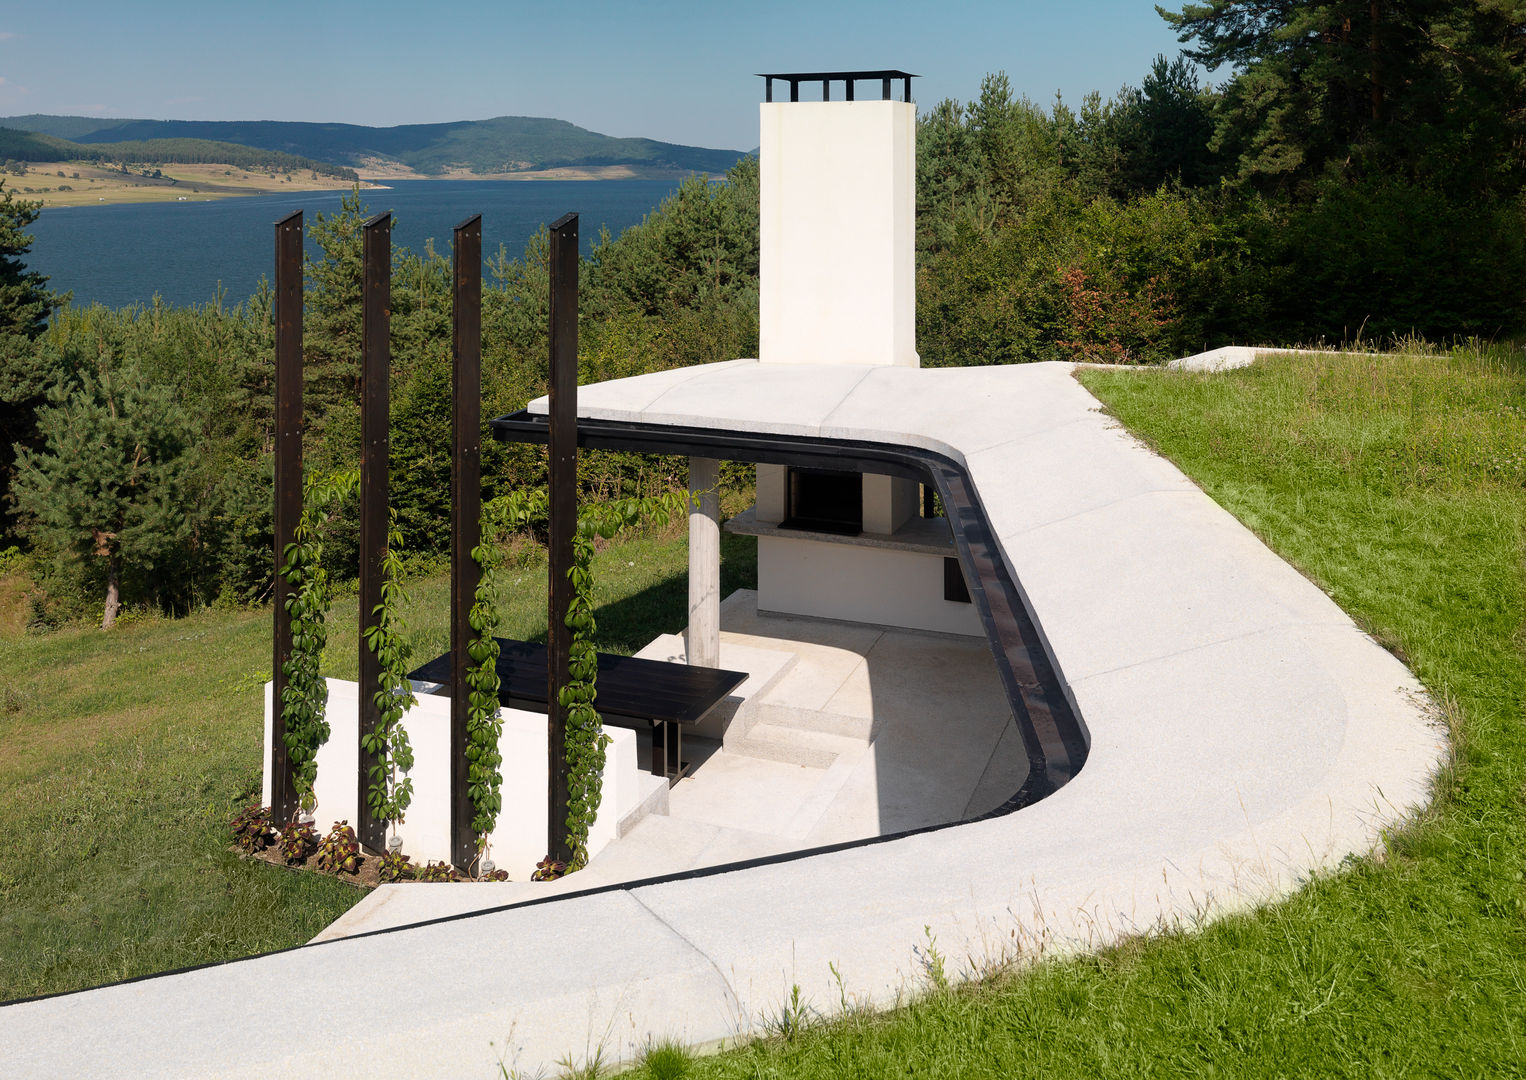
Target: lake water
pixel 119 255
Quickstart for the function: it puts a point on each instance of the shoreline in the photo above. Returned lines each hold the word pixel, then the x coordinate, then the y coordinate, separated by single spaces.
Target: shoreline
pixel 372 180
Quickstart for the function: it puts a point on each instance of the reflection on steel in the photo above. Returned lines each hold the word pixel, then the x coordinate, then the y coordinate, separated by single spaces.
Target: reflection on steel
pixel 1054 735
pixel 288 488
pixel 827 78
pixel 562 483
pixel 465 512
pixel 375 373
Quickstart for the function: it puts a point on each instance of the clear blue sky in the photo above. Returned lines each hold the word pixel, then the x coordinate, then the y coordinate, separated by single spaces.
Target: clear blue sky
pixel 674 70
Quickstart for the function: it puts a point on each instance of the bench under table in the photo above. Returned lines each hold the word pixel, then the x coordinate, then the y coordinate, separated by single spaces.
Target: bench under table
pixel 631 692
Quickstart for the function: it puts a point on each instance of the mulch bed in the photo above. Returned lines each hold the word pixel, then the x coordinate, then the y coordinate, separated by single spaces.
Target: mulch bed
pixel 364 878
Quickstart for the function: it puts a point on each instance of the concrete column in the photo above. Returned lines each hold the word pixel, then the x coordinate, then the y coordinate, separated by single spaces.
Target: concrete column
pixel 704 634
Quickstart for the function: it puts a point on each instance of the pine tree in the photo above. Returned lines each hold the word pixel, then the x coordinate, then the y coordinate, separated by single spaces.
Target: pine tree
pixel 25 304
pixel 111 477
pixel 1429 91
pixel 331 332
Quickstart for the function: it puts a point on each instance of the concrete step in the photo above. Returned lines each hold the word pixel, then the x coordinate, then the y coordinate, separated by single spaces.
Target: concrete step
pixel 792 745
pixel 654 799
pixel 737 712
pixel 859 728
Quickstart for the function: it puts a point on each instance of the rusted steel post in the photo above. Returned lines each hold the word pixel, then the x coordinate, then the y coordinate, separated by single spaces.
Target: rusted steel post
pixel 288 489
pixel 375 393
pixel 465 513
pixel 562 483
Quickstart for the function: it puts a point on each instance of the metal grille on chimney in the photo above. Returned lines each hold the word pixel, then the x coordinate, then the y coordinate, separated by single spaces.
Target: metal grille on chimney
pixel 848 78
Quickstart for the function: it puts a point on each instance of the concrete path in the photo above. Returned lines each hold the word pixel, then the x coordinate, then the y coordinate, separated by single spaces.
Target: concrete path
pixel 1245 735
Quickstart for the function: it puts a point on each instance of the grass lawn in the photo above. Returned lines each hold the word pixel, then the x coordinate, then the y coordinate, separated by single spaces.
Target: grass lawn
pixel 1395 482
pixel 124 754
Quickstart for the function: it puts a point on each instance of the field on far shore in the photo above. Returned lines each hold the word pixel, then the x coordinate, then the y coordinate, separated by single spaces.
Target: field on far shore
pixel 63 183
pixel 379 170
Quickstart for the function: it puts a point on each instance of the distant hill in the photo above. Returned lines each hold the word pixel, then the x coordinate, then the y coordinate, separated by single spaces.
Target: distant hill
pixel 21 145
pixel 502 144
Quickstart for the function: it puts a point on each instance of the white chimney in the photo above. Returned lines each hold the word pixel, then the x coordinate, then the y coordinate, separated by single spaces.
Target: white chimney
pixel 837 274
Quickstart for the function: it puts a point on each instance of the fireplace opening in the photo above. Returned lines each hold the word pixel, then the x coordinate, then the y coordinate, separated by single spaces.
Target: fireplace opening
pixel 825 500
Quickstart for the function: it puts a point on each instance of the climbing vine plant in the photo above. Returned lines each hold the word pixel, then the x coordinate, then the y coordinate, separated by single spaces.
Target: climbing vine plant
pixel 391 788
pixel 484 725
pixel 585 739
pixel 306 695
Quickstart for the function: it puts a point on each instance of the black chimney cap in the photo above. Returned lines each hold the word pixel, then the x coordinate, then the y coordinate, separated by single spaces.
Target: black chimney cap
pixel 827 78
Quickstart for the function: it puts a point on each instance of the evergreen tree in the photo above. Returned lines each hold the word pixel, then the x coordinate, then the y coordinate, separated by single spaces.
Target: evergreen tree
pixel 1164 129
pixel 25 302
pixel 110 479
pixel 1422 90
pixel 331 329
pixel 25 370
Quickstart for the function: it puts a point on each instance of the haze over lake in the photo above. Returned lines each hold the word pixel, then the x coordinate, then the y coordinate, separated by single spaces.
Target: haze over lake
pixel 119 255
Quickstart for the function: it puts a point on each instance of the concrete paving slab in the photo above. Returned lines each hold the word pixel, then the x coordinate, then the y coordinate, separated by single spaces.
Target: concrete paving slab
pixel 922 403
pixel 639 393
pixel 1005 771
pixel 439 999
pixel 1158 569
pixel 738 793
pixel 1115 470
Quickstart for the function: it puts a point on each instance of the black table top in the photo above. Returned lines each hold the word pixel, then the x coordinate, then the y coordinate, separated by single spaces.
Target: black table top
pixel 628 687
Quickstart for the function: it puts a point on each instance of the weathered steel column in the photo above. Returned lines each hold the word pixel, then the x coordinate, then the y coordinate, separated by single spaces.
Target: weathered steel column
pixel 702 643
pixel 465 513
pixel 288 489
pixel 375 395
pixel 562 483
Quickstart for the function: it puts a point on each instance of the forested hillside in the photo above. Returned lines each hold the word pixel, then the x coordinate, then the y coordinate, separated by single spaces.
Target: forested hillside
pixel 28 146
pixel 501 144
pixel 1356 176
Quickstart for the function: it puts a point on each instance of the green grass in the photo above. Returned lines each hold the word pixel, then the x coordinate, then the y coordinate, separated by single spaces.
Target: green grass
pixel 1395 482
pixel 124 754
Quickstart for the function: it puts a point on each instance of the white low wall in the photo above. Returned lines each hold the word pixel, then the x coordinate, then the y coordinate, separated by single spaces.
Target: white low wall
pixel 860 584
pixel 519 841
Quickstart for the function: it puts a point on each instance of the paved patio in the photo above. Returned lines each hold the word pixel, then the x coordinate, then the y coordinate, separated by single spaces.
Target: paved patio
pixel 854 732
pixel 1245 734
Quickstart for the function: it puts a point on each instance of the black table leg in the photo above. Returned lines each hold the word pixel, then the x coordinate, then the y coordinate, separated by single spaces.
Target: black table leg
pixel 667 750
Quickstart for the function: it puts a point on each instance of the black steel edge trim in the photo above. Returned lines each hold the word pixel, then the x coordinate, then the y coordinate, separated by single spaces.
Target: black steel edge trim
pixel 1056 740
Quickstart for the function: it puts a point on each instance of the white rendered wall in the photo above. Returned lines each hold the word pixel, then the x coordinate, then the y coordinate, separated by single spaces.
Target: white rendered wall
pixel 889 503
pixel 773 493
pixel 846 581
pixel 519 842
pixel 837 258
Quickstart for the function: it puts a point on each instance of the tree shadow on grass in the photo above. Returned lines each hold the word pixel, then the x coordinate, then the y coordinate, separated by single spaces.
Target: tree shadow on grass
pixel 628 624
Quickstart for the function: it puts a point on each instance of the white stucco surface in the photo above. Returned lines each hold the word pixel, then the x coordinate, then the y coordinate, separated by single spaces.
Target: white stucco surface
pixel 837 232
pixel 1246 734
pixel 519 841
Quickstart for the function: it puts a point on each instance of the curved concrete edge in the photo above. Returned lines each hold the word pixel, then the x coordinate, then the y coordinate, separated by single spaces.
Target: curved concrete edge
pixel 1245 735
pixel 1230 357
